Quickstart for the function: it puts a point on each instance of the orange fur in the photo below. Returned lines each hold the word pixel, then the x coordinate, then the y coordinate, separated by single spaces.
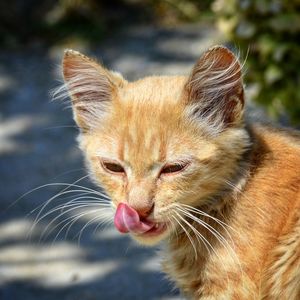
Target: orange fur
pixel 233 213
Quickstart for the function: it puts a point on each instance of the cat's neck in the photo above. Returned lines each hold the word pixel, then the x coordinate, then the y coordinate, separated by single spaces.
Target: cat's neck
pixel 234 185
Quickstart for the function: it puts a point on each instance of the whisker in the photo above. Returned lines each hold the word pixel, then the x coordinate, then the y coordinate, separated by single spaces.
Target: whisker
pixel 204 224
pixel 50 200
pixel 84 227
pixel 62 214
pixel 232 254
pixel 66 191
pixel 96 199
pixel 101 216
pixel 218 236
pixel 105 221
pixel 172 226
pixel 197 233
pixel 27 193
pixel 221 223
pixel 187 234
pixel 72 220
pixel 71 203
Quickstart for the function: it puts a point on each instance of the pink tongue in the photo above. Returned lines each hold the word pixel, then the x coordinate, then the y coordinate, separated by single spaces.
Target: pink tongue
pixel 127 219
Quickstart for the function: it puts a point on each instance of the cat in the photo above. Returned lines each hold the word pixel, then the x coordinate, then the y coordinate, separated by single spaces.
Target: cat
pixel 183 167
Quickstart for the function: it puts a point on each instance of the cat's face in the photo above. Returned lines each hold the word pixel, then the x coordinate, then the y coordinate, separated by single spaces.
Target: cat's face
pixel 151 146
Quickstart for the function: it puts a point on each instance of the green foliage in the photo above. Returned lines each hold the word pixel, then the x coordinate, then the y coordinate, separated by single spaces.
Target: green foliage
pixel 270 30
pixel 49 21
pixel 174 11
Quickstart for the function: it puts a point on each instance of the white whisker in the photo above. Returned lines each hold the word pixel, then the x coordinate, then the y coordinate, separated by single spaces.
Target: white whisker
pixel 187 234
pixel 72 220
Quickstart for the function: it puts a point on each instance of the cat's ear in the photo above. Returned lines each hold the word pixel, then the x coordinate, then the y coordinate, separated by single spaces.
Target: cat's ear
pixel 214 90
pixel 90 86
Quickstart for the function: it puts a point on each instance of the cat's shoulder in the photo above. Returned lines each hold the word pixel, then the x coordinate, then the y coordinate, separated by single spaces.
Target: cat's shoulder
pixel 276 136
pixel 276 156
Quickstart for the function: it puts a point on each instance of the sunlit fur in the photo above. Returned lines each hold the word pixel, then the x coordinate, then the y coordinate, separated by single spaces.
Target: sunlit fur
pixel 233 212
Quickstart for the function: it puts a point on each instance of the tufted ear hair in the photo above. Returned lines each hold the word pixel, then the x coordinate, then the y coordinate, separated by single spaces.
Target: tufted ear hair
pixel 90 86
pixel 214 90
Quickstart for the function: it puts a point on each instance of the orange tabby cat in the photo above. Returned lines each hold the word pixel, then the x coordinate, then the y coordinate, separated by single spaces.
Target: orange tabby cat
pixel 180 165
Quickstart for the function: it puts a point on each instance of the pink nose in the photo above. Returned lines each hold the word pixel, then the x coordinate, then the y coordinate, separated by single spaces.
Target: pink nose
pixel 127 219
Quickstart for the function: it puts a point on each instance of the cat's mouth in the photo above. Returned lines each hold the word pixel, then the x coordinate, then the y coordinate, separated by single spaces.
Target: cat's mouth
pixel 157 229
pixel 128 220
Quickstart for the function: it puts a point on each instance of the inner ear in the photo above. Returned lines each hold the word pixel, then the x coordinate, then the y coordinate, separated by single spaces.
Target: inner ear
pixel 215 88
pixel 90 86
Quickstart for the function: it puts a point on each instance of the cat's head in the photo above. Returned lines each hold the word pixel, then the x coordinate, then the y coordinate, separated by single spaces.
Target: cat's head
pixel 160 144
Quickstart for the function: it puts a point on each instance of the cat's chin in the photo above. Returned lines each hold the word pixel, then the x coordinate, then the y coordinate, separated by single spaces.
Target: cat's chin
pixel 153 236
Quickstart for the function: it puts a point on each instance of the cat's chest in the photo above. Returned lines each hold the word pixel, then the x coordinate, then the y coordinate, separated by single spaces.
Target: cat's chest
pixel 210 269
pixel 186 264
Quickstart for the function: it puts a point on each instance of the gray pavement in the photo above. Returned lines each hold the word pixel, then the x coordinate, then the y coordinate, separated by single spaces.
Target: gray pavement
pixel 37 147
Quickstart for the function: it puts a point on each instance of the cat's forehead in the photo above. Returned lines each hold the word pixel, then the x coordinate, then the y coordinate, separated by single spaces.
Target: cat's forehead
pixel 157 89
pixel 146 123
pixel 149 108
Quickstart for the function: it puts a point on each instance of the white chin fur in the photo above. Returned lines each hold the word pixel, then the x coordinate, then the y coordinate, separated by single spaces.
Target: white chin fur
pixel 151 240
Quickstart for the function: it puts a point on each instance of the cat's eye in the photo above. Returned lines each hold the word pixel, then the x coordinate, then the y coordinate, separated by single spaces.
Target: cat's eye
pixel 113 167
pixel 172 168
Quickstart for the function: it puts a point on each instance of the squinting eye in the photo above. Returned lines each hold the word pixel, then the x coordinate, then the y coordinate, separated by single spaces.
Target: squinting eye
pixel 175 168
pixel 113 167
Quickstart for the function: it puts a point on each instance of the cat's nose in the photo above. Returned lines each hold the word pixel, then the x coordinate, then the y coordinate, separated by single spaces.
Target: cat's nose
pixel 144 210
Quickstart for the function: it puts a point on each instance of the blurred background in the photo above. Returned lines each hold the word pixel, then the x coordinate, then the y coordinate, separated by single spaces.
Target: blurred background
pixel 46 260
